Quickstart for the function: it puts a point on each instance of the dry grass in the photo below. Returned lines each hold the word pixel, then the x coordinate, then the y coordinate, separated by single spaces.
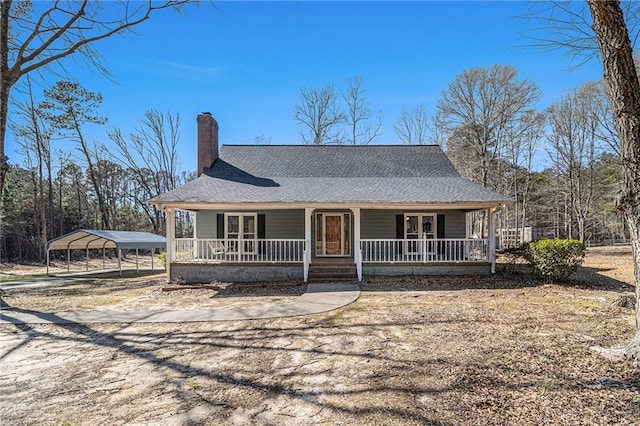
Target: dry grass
pixel 460 351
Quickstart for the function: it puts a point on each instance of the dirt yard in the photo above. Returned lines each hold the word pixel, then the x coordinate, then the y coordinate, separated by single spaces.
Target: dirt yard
pixel 442 351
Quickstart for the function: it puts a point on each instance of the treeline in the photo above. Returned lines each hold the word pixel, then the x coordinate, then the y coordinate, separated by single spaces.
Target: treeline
pixel 73 205
pixel 487 120
pixel 499 141
pixel 70 181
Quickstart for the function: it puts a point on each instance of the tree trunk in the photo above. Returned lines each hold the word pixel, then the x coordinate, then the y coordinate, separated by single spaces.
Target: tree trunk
pixel 104 213
pixel 623 88
pixel 5 87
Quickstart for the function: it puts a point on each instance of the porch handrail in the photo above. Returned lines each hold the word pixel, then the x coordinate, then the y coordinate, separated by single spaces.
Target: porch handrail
pixel 255 250
pixel 430 250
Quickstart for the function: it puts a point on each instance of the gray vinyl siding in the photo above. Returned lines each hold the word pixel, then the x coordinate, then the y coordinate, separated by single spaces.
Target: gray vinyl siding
pixel 284 224
pixel 381 224
pixel 378 224
pixel 375 224
pixel 278 223
pixel 455 223
pixel 206 224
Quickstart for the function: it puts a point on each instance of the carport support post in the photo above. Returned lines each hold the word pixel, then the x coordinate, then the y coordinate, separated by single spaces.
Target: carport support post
pixel 68 258
pixel 120 261
pixel 86 263
pixel 136 260
pixel 48 261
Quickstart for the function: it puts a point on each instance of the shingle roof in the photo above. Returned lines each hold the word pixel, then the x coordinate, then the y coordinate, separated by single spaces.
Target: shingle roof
pixel 330 174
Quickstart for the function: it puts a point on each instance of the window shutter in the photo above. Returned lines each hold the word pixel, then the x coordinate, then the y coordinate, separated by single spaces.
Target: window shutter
pixel 400 226
pixel 261 233
pixel 261 226
pixel 400 230
pixel 220 225
pixel 440 233
pixel 440 226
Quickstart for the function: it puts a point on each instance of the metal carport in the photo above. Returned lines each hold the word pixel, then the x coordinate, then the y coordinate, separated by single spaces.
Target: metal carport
pixel 86 239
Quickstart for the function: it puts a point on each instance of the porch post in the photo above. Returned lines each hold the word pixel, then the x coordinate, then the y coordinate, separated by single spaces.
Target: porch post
pixel 170 225
pixel 492 238
pixel 357 255
pixel 195 235
pixel 308 212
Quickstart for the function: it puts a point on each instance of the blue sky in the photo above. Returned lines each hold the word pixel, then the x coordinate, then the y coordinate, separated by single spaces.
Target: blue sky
pixel 246 62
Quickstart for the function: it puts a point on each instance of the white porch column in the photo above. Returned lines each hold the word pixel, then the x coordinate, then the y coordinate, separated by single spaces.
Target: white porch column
pixel 492 238
pixel 308 214
pixel 357 255
pixel 170 226
pixel 195 235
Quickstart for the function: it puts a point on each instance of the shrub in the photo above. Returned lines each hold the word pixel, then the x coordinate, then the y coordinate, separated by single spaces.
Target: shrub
pixel 163 258
pixel 555 259
pixel 512 256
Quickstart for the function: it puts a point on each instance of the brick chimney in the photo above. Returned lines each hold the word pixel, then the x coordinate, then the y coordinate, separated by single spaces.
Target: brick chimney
pixel 207 141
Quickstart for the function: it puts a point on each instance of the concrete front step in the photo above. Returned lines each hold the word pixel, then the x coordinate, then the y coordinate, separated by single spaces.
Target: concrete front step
pixel 332 272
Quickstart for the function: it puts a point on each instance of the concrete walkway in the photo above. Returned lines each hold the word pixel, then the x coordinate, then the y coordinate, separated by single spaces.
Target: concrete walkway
pixel 318 298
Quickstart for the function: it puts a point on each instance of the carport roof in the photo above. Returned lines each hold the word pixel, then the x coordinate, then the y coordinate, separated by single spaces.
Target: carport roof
pixel 97 239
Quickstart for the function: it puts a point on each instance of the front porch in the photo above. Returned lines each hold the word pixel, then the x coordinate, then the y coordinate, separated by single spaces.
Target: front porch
pixel 280 244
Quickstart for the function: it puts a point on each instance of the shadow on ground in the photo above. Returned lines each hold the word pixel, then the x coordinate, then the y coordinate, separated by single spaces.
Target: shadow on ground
pixel 585 278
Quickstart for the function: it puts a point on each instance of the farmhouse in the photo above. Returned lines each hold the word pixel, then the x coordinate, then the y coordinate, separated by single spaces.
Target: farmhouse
pixel 329 212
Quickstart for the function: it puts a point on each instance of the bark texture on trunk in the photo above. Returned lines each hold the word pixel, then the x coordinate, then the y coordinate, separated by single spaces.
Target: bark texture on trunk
pixel 5 87
pixel 623 88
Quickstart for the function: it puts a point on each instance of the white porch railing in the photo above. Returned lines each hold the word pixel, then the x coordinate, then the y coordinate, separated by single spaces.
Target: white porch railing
pixel 425 250
pixel 232 250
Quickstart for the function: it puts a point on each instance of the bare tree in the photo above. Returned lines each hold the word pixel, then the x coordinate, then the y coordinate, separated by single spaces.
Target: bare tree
pixel 606 130
pixel 35 136
pixel 573 123
pixel 32 38
pixel 358 116
pixel 518 150
pixel 412 127
pixel 262 139
pixel 319 112
pixel 623 87
pixel 487 103
pixel 438 132
pixel 150 154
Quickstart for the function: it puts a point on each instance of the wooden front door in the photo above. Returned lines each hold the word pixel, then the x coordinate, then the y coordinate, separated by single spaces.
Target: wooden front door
pixel 332 234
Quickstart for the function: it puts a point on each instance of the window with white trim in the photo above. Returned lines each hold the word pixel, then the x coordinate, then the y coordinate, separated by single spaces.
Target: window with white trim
pixel 242 227
pixel 420 226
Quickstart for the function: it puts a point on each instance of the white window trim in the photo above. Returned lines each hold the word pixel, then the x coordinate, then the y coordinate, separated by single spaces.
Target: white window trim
pixel 241 239
pixel 421 247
